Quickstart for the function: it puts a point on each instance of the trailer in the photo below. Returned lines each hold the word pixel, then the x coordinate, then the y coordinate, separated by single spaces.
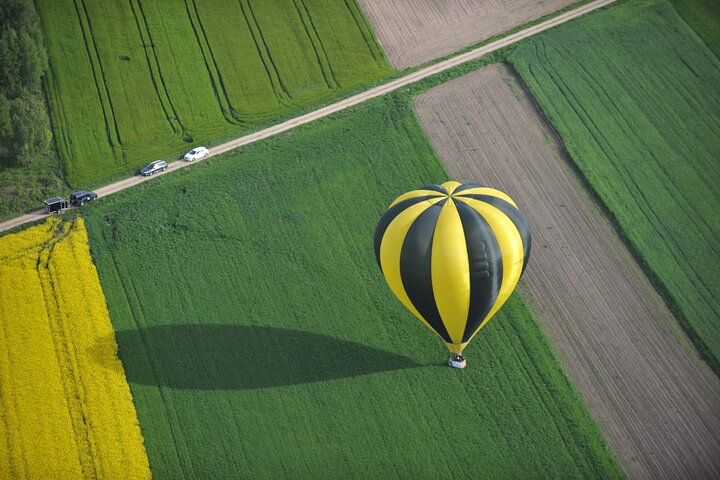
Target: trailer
pixel 55 205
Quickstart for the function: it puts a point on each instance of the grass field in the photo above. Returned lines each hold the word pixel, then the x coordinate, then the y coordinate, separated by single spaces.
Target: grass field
pixel 260 340
pixel 635 95
pixel 131 81
pixel 65 406
pixel 703 16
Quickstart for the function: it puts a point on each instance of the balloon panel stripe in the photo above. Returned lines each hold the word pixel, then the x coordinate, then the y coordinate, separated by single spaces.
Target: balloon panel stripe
pixel 450 186
pixel 485 267
pixel 390 250
pixel 433 187
pixel 415 268
pixel 389 216
pixel 468 186
pixel 417 193
pixel 511 250
pixel 486 191
pixel 521 224
pixel 451 272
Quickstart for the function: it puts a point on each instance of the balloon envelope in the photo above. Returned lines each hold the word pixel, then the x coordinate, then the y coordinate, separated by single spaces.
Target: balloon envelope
pixel 453 254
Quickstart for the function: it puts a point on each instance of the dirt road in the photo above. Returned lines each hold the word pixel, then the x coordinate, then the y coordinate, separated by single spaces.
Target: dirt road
pixel 657 403
pixel 413 32
pixel 341 105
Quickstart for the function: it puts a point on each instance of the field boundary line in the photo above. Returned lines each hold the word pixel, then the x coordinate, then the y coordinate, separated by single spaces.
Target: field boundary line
pixel 342 104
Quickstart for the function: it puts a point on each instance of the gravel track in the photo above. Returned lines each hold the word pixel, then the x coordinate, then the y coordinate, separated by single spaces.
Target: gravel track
pixel 413 32
pixel 657 403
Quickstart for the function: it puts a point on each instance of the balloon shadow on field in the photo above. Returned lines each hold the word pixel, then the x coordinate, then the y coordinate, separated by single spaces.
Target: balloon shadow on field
pixel 227 357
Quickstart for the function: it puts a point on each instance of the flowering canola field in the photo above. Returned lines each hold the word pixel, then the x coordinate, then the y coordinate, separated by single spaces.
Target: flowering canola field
pixel 65 406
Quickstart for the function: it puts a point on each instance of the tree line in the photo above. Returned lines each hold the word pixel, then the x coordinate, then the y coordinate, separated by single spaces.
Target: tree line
pixel 24 127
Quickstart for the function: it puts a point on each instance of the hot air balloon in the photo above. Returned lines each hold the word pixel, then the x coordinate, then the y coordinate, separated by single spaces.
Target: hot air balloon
pixel 453 254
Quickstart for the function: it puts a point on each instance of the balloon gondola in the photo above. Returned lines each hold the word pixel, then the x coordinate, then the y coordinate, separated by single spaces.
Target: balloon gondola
pixel 453 254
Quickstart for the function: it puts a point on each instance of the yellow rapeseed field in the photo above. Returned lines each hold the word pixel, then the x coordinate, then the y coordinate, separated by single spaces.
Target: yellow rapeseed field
pixel 65 406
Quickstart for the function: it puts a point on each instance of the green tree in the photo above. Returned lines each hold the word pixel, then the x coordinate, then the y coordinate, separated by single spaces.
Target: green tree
pixel 6 132
pixel 24 126
pixel 22 62
pixel 30 133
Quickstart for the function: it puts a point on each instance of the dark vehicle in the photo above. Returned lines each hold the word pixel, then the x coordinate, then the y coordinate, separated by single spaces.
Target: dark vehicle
pixel 78 198
pixel 55 205
pixel 153 167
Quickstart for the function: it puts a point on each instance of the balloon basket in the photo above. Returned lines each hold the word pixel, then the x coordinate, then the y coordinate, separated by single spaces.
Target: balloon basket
pixel 457 361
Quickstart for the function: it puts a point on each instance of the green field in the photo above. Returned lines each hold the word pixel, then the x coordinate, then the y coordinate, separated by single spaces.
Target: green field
pixel 130 81
pixel 703 16
pixel 260 340
pixel 634 92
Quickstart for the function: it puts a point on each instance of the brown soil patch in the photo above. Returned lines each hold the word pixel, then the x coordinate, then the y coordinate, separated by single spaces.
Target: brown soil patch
pixel 657 403
pixel 413 32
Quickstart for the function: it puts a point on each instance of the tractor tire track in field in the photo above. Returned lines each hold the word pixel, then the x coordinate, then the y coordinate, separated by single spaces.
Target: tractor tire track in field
pixel 111 126
pixel 414 32
pixel 63 348
pixel 281 92
pixel 374 92
pixel 614 157
pixel 211 65
pixel 58 126
pixel 655 400
pixel 134 306
pixel 9 403
pixel 316 42
pixel 156 75
pixel 364 28
pixel 693 215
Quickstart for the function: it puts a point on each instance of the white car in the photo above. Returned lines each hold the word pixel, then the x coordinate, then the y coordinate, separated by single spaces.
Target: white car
pixel 195 153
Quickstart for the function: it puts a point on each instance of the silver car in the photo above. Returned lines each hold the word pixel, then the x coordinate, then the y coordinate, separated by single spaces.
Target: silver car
pixel 153 167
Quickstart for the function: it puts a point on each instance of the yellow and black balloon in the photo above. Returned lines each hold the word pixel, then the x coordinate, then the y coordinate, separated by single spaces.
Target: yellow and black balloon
pixel 453 254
